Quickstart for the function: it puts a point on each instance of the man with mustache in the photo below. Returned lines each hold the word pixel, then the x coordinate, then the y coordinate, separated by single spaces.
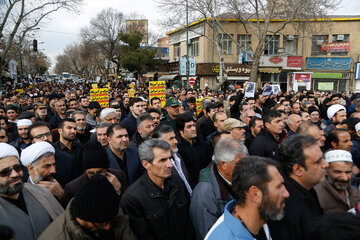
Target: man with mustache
pixel 68 142
pixel 26 208
pixel 336 193
pixel 39 158
pixel 303 167
pixel 157 203
pixel 259 196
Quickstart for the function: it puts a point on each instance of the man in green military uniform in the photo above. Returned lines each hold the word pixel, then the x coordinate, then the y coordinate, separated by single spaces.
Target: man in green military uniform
pixel 172 106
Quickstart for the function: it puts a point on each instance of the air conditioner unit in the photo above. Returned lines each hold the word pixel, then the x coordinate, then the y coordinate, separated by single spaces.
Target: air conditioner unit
pixel 340 37
pixel 359 58
pixel 291 38
pixel 319 42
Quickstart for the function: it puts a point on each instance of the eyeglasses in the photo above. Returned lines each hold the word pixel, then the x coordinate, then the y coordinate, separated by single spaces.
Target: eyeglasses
pixel 39 136
pixel 7 171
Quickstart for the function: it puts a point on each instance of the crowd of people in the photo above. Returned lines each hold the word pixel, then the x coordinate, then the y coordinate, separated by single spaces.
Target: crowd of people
pixel 282 166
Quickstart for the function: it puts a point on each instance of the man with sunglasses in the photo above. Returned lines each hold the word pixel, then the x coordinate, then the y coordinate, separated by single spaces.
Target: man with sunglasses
pixel 66 167
pixel 26 208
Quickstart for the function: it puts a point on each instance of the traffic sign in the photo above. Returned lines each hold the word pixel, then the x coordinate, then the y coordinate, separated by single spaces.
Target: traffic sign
pixel 192 80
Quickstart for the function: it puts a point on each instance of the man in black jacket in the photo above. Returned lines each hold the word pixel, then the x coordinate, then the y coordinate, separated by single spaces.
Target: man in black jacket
pixel 303 166
pixel 157 203
pixel 195 151
pixel 266 143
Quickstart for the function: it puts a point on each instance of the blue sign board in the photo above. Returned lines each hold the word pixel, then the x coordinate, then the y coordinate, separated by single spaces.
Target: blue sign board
pixel 182 66
pixel 330 63
pixel 192 66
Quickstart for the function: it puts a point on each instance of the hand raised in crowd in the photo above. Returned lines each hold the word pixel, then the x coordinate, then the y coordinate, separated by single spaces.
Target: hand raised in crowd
pixel 114 181
pixel 54 187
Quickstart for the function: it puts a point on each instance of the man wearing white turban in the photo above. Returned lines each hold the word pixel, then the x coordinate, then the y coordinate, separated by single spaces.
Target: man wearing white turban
pixel 23 140
pixel 39 158
pixel 26 208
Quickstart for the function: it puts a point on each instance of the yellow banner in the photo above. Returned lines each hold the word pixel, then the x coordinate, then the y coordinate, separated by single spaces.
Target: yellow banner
pixel 94 86
pixel 19 90
pixel 199 105
pixel 131 92
pixel 108 84
pixel 131 85
pixel 157 89
pixel 100 95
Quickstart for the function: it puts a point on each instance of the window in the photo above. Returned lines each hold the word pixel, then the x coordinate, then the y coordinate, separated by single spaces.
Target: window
pixel 316 42
pixel 272 46
pixel 177 51
pixel 225 42
pixel 340 38
pixel 290 43
pixel 194 47
pixel 244 42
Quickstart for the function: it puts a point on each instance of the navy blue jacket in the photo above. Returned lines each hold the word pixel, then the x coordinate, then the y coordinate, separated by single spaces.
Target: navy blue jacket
pixel 67 168
pixel 130 124
pixel 134 167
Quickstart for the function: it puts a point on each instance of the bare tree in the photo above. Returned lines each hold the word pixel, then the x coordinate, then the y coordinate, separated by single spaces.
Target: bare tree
pixel 104 32
pixel 254 15
pixel 19 17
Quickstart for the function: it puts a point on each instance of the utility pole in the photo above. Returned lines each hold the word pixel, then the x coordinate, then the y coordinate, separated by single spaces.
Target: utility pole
pixel 187 42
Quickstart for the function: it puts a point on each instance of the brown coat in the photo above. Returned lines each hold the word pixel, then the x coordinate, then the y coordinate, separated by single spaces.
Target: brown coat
pixel 331 201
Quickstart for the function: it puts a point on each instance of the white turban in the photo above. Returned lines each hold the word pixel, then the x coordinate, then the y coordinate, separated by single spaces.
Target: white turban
pixel 333 109
pixel 357 127
pixel 6 150
pixel 35 151
pixel 338 156
pixel 24 122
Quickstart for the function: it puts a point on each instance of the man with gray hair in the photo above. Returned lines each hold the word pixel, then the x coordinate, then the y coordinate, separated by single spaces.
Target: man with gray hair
pixel 145 128
pixel 157 201
pixel 214 188
pixel 39 158
pixel 109 115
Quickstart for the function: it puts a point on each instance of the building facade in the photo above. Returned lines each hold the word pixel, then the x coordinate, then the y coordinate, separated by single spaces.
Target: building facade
pixel 320 54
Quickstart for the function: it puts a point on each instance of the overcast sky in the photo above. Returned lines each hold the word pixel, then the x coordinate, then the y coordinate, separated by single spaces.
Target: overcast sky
pixel 64 28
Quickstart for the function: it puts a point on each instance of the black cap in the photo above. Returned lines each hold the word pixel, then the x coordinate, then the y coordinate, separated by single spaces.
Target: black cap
pixel 94 156
pixel 97 201
pixel 26 115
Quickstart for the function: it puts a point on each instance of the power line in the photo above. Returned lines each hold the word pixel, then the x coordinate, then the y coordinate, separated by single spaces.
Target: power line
pixel 60 32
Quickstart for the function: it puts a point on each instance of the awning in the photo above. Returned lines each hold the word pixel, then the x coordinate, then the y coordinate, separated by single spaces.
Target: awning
pixel 168 77
pixel 150 74
pixel 269 70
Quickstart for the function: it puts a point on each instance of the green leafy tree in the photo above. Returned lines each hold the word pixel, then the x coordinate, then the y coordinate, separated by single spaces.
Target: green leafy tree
pixel 137 58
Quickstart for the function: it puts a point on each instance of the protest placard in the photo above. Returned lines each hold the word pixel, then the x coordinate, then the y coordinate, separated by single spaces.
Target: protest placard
pixel 100 95
pixel 199 105
pixel 131 92
pixel 250 89
pixel 94 86
pixel 157 89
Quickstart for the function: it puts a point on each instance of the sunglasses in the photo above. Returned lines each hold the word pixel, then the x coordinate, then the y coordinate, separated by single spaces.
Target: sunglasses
pixel 7 171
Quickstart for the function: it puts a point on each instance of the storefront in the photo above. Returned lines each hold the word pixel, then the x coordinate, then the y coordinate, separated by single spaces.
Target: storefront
pixel 275 69
pixel 208 73
pixel 329 73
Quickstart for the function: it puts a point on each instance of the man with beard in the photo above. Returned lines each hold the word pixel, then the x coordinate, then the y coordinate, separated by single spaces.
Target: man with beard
pixel 66 167
pixel 145 128
pixel 39 158
pixel 172 106
pixel 68 142
pixel 156 115
pixel 303 167
pixel 336 193
pixel 26 208
pixel 92 214
pixel 23 140
pixel 167 134
pixel 336 113
pixel 82 133
pixel 259 194
pixel 235 128
pixel 41 112
pixel 60 109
